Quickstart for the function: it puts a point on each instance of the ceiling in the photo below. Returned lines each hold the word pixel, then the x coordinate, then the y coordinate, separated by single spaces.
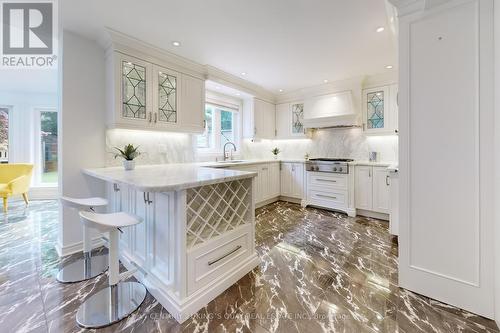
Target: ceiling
pixel 280 44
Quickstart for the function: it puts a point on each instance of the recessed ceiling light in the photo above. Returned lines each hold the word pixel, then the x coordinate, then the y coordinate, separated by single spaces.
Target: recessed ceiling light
pixel 238 94
pixel 243 73
pixel 380 29
pixel 389 67
pixel 325 81
pixel 281 90
pixel 176 43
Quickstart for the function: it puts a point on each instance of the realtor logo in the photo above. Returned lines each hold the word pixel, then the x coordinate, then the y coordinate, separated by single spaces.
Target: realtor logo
pixel 28 31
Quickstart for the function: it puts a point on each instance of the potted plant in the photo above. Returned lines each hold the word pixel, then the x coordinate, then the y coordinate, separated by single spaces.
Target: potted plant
pixel 128 153
pixel 275 152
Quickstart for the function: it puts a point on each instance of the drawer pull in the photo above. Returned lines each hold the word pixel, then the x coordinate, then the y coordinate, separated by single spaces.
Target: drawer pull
pixel 210 263
pixel 326 196
pixel 326 180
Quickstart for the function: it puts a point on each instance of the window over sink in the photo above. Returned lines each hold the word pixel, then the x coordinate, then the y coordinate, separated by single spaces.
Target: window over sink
pixel 222 125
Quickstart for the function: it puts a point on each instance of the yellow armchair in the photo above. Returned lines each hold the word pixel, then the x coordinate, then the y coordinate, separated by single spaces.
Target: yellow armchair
pixel 15 179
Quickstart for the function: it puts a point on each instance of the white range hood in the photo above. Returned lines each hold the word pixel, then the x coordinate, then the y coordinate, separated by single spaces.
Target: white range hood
pixel 331 111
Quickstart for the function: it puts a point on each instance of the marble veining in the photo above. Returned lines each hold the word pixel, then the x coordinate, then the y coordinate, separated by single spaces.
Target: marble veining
pixel 167 177
pixel 320 271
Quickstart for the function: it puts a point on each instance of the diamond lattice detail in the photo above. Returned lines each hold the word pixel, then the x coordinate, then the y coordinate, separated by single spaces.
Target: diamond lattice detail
pixel 297 118
pixel 215 209
pixel 376 109
pixel 134 90
pixel 167 100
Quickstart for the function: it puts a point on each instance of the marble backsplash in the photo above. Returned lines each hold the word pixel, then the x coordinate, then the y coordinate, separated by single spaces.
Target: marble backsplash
pixel 160 147
pixel 349 143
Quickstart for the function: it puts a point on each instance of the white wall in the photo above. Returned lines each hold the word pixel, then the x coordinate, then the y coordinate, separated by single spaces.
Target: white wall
pixel 82 135
pixel 497 161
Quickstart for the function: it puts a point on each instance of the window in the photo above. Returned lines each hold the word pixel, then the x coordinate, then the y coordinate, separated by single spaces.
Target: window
pixel 221 126
pixel 4 135
pixel 48 147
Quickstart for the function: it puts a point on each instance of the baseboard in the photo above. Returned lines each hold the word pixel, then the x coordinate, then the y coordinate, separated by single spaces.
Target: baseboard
pixel 266 202
pixel 290 199
pixel 375 215
pixel 43 193
pixel 67 250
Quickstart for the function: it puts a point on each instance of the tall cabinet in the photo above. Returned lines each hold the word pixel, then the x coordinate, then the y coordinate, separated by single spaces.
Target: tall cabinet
pixel 446 149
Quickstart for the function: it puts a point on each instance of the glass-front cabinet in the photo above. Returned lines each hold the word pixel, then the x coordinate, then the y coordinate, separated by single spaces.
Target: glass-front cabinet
pixel 152 97
pixel 380 110
pixel 297 119
pixel 290 120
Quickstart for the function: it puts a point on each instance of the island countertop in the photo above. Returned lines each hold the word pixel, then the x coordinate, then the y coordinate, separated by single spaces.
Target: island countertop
pixel 167 177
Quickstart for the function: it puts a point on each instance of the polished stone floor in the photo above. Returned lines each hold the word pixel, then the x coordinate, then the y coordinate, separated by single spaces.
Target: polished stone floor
pixel 320 272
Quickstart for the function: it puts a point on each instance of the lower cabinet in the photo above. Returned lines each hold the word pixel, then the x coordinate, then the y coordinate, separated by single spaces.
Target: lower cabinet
pixel 372 188
pixel 267 182
pixel 292 180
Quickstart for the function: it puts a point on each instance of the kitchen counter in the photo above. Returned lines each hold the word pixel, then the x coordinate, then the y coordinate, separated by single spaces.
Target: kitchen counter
pixel 167 177
pixel 197 237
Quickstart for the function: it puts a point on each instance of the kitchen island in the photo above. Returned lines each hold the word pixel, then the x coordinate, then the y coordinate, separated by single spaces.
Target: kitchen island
pixel 198 233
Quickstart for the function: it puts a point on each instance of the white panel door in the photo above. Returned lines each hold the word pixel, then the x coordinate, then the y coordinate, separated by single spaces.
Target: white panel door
pixel 264 183
pixel 286 179
pixel 283 121
pixel 298 180
pixel 274 179
pixel 363 187
pixel 139 250
pixel 381 190
pixel 192 104
pixel 446 149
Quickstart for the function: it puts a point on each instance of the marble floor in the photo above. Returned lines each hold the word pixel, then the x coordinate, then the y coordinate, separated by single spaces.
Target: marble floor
pixel 320 272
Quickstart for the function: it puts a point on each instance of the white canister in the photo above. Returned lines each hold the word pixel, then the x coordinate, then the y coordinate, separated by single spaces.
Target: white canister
pixel 129 165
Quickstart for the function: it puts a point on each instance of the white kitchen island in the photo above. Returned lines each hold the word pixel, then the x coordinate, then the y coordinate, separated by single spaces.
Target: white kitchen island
pixel 198 234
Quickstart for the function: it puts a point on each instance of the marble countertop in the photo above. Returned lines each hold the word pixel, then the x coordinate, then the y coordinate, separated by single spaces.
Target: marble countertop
pixel 167 177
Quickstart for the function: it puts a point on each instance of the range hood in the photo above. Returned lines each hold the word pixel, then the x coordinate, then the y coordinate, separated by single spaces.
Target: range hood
pixel 331 111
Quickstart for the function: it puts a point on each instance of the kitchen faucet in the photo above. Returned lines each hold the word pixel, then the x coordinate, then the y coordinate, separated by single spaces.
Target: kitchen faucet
pixel 228 143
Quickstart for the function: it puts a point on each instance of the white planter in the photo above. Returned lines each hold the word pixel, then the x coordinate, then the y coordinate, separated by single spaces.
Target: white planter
pixel 129 165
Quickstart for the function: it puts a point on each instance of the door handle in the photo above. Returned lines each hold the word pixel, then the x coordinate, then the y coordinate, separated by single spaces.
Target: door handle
pixel 150 115
pixel 210 263
pixel 326 196
pixel 156 117
pixel 387 180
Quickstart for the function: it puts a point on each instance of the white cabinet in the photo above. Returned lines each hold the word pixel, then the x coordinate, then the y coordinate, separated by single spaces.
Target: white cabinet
pixel 147 96
pixel 380 110
pixel 363 187
pixel 292 180
pixel 290 120
pixel 267 182
pixel 372 192
pixel 259 119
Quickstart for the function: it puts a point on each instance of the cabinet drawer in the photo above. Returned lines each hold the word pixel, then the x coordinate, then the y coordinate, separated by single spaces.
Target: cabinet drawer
pixel 331 199
pixel 217 257
pixel 327 180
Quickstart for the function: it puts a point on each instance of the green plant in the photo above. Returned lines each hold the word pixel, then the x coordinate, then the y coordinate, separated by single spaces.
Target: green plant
pixel 276 151
pixel 129 152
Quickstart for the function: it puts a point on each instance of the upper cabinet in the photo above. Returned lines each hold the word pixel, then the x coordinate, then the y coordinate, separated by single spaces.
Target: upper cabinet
pixel 151 97
pixel 380 110
pixel 290 120
pixel 259 119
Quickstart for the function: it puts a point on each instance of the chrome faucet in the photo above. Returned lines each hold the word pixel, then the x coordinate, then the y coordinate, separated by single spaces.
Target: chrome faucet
pixel 225 145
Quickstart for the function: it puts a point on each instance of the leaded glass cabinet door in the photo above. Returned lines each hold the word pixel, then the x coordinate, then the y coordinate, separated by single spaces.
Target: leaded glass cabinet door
pixel 166 101
pixel 297 119
pixel 376 110
pixel 134 103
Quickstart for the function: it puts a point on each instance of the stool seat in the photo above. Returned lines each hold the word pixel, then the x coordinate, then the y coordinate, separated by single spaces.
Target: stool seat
pixel 106 222
pixel 84 203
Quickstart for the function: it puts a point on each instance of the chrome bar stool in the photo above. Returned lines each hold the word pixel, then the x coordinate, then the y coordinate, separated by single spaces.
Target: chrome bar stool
pixel 90 266
pixel 120 299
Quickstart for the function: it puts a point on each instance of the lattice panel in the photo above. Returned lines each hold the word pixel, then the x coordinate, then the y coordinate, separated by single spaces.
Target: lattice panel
pixel 376 109
pixel 215 209
pixel 134 90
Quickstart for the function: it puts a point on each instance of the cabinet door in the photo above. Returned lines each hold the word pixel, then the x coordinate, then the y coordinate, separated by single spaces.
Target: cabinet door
pixel 138 232
pixel 298 180
pixel 283 120
pixel 192 105
pixel 363 187
pixel 286 179
pixel 381 190
pixel 166 85
pixel 133 107
pixel 274 179
pixel 376 118
pixel 264 183
pixel 264 119
pixel 297 119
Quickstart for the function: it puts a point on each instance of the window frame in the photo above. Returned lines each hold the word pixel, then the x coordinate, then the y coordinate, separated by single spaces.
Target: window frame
pixel 10 138
pixel 37 146
pixel 216 149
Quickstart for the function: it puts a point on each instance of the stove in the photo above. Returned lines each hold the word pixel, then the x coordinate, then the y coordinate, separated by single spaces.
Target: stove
pixel 330 165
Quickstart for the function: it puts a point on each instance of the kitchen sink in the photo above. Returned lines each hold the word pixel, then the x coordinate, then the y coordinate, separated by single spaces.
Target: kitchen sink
pixel 231 161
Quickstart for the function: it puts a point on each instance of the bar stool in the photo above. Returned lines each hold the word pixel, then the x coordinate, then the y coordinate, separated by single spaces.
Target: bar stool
pixel 120 299
pixel 90 266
